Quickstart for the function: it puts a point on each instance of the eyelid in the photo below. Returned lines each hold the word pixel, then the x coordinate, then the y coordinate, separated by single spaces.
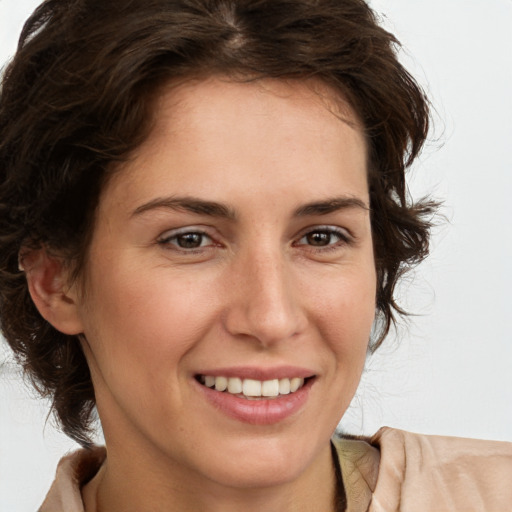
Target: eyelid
pixel 166 237
pixel 168 233
pixel 344 240
pixel 337 230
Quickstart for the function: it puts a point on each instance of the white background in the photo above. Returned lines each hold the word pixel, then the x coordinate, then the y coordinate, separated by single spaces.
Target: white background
pixel 450 369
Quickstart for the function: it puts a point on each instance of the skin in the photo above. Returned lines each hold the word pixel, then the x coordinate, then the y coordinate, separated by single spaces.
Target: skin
pixel 260 291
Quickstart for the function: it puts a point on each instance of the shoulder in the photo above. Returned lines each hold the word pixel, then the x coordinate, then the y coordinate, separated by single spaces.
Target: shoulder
pixel 442 473
pixel 74 471
pixel 359 463
pixel 407 471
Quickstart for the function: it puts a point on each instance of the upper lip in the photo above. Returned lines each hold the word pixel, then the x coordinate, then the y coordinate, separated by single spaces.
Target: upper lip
pixel 259 373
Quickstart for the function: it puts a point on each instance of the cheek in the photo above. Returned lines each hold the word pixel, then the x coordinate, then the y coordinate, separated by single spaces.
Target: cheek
pixel 144 319
pixel 345 301
pixel 345 312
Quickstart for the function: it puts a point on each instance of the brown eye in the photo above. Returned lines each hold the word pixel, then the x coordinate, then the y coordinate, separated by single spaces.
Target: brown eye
pixel 319 238
pixel 189 240
pixel 324 237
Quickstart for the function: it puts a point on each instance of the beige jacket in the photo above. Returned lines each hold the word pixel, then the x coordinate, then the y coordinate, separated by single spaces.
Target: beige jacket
pixel 392 471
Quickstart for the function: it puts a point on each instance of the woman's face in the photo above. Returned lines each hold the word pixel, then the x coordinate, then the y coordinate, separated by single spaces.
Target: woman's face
pixel 234 249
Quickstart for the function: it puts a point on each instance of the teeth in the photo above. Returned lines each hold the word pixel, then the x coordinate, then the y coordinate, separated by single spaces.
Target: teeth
pixel 270 388
pixel 253 388
pixel 234 386
pixel 221 383
pixel 284 386
pixel 295 384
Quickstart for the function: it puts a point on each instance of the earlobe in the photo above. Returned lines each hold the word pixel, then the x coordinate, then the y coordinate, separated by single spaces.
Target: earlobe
pixel 49 287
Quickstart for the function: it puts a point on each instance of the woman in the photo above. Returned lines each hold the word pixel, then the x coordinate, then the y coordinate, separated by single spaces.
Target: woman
pixel 203 218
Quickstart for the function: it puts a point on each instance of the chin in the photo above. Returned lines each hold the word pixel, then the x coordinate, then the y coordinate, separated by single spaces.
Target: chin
pixel 261 462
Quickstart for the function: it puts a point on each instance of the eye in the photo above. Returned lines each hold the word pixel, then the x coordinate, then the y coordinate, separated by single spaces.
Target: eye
pixel 187 240
pixel 324 237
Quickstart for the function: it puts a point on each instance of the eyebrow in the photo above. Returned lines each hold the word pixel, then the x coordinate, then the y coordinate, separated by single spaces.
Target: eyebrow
pixel 215 209
pixel 190 204
pixel 330 205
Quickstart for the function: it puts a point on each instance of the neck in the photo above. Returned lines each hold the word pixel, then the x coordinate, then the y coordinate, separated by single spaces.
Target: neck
pixel 132 482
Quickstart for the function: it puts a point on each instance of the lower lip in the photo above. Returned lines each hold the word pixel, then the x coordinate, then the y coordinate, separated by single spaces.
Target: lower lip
pixel 258 412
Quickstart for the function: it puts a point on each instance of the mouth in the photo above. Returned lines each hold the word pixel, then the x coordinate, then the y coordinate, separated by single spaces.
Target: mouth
pixel 257 396
pixel 252 389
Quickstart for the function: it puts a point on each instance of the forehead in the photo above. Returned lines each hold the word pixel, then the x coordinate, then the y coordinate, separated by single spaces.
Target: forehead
pixel 196 103
pixel 213 133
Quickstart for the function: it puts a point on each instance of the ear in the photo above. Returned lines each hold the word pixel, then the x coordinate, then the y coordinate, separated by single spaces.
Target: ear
pixel 50 289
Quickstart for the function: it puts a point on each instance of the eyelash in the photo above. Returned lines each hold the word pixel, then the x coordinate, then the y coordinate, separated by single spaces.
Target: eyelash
pixel 168 240
pixel 343 239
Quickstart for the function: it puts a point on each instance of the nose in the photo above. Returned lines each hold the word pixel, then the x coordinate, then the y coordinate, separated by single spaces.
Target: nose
pixel 265 304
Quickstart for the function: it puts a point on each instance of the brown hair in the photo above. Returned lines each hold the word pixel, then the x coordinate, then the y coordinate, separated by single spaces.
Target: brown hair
pixel 77 98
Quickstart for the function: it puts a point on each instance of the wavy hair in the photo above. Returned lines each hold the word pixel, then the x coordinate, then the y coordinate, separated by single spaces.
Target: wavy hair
pixel 77 98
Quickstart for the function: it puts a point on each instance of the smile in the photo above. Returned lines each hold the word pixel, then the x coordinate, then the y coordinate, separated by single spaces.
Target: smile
pixel 252 389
